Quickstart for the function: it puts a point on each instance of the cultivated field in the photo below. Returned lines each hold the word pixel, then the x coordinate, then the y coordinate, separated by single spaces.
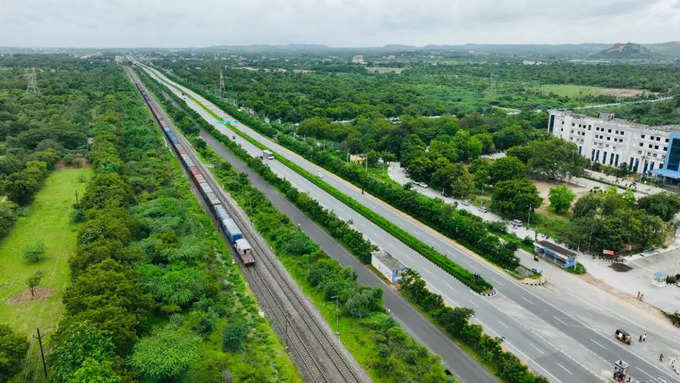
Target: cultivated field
pixel 47 220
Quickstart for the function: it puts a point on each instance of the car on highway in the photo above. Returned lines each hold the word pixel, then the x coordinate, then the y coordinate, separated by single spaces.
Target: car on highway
pixel 421 184
pixel 622 336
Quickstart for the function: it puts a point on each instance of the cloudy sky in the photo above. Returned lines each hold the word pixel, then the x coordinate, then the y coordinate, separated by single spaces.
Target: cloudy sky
pixel 182 23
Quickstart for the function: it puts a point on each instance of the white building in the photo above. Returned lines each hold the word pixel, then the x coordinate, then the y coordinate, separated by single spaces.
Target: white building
pixel 612 141
pixel 358 59
pixel 387 266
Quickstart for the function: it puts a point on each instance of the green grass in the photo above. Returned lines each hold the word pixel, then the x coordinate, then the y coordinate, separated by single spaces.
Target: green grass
pixel 47 220
pixel 571 91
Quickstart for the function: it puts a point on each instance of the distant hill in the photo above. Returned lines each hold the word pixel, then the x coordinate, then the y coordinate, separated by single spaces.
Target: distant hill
pixel 624 51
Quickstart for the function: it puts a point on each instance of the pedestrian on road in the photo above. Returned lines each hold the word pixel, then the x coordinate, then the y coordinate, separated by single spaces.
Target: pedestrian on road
pixel 644 337
pixel 640 339
pixel 661 357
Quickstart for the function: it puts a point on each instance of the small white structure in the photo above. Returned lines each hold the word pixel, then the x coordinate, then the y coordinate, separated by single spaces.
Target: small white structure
pixel 387 266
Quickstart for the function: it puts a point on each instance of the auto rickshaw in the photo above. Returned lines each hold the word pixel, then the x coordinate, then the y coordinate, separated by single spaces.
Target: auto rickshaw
pixel 622 336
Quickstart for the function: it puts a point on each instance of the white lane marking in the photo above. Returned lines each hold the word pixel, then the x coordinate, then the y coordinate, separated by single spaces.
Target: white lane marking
pixel 597 343
pixel 536 348
pixel 503 324
pixel 645 372
pixel 564 368
pixel 526 299
pixel 560 320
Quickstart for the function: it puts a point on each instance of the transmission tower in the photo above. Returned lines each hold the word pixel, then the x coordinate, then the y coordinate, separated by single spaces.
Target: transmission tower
pixel 221 84
pixel 32 86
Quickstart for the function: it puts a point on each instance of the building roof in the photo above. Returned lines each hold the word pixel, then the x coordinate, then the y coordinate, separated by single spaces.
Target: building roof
pixel 619 121
pixel 556 248
pixel 386 259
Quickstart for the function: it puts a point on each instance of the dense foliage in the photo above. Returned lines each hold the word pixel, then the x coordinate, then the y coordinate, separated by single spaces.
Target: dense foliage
pixel 616 221
pixel 13 348
pixel 37 130
pixel 148 271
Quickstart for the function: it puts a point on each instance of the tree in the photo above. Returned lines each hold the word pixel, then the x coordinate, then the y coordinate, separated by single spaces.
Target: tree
pixel 7 217
pixel 587 205
pixel 34 253
pixel 555 159
pixel 74 343
pixel 461 184
pixel 664 205
pixel 233 335
pixel 560 198
pixel 507 168
pixel 523 153
pixel 34 280
pixel 13 348
pixel 93 371
pixel 167 354
pixel 515 198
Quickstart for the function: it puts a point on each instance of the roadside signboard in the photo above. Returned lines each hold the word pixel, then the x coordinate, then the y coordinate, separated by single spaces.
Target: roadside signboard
pixel 608 252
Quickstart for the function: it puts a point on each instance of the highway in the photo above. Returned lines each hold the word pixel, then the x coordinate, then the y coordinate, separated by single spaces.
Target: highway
pixel 550 338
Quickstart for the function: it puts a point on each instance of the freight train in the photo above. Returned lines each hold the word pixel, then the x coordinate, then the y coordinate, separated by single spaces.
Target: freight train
pixel 224 220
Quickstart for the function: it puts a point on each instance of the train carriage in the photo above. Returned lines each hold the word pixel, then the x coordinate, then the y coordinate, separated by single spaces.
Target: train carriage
pixel 212 199
pixel 198 178
pixel 231 230
pixel 221 213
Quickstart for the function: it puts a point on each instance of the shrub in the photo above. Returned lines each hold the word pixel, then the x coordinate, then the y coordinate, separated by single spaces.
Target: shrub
pixel 232 336
pixel 34 253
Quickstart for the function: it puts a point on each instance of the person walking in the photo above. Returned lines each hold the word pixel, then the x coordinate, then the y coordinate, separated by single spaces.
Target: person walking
pixel 644 337
pixel 661 357
pixel 640 339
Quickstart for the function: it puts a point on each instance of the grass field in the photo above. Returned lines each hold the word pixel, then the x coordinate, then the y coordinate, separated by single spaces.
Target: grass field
pixel 48 220
pixel 576 91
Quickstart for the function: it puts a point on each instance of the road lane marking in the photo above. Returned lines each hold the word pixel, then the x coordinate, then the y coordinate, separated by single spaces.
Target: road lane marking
pixel 503 324
pixel 597 343
pixel 645 372
pixel 523 297
pixel 564 368
pixel 536 348
pixel 560 320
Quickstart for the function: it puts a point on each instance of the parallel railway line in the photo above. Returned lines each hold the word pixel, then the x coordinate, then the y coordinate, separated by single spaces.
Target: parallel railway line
pixel 319 355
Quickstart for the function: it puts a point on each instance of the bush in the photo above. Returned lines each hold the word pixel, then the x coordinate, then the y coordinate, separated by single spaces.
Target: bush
pixel 13 348
pixel 232 336
pixel 34 253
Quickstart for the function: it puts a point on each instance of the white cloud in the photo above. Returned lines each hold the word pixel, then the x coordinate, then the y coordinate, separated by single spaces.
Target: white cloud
pixel 174 23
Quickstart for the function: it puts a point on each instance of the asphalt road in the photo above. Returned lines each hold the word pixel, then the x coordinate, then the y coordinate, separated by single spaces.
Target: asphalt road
pixel 552 340
pixel 454 358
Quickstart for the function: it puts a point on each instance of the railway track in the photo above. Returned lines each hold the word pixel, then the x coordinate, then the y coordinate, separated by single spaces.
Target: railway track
pixel 317 352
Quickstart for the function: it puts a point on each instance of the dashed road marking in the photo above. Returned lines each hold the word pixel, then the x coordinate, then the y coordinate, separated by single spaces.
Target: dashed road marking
pixel 536 348
pixel 560 320
pixel 597 343
pixel 564 368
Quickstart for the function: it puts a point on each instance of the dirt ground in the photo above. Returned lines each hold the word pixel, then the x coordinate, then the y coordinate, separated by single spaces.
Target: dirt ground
pixel 624 92
pixel 24 297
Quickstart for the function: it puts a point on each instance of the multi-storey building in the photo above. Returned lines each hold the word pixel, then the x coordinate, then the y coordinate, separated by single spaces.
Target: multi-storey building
pixel 649 150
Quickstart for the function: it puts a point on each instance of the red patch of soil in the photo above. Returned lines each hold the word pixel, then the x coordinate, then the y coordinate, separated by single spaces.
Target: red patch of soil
pixel 24 297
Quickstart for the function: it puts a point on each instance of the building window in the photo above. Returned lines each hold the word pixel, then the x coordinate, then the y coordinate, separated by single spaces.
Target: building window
pixel 666 139
pixel 608 138
pixel 641 144
pixel 643 136
pixel 650 146
pixel 572 124
pixel 656 147
pixel 658 138
pixel 665 148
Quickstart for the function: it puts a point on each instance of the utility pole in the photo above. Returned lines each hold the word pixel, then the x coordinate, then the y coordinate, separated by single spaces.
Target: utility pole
pixel 42 352
pixel 32 86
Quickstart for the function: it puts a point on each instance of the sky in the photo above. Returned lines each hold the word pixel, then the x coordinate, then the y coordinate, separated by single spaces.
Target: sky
pixel 199 23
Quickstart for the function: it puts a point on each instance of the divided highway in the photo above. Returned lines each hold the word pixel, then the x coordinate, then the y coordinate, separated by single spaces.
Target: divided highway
pixel 554 341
